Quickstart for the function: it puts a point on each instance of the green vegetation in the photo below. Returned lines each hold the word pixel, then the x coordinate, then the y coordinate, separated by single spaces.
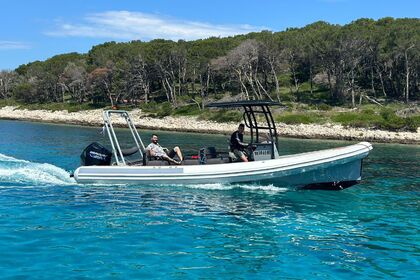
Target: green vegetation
pixel 165 109
pixel 188 110
pixel 313 70
pixel 367 117
pixel 386 120
pixel 300 117
pixel 222 115
pixel 8 102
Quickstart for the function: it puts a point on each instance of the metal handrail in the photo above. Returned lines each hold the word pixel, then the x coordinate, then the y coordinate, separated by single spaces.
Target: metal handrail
pixel 116 149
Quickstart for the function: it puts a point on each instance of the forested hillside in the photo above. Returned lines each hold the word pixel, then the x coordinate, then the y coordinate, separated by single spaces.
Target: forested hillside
pixel 364 61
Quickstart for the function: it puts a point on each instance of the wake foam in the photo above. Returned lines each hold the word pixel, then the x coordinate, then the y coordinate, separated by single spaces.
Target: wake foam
pixel 22 172
pixel 18 171
pixel 251 187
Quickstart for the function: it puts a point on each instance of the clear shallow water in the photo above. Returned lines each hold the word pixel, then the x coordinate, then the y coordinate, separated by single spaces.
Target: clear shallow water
pixel 51 227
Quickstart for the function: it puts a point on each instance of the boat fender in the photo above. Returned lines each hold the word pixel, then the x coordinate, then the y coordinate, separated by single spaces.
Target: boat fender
pixel 202 156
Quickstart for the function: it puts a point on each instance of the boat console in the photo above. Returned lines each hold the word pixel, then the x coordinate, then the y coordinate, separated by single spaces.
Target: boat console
pixel 260 122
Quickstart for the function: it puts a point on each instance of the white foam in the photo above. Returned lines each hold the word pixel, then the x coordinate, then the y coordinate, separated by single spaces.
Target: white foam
pixel 266 188
pixel 20 171
pixel 251 187
pixel 4 158
pixel 14 170
pixel 215 186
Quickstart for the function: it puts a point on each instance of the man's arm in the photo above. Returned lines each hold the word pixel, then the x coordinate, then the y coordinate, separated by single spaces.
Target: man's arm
pixel 238 140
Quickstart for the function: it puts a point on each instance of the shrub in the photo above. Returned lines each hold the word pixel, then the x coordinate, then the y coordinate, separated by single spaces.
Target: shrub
pixel 387 114
pixel 189 110
pixel 412 123
pixel 390 121
pixel 324 107
pixel 150 107
pixel 222 115
pixel 386 119
pixel 357 119
pixel 7 102
pixel 165 109
pixel 368 111
pixel 26 93
pixel 297 118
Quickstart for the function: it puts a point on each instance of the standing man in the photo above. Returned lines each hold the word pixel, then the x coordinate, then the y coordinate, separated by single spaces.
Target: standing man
pixel 237 145
pixel 157 150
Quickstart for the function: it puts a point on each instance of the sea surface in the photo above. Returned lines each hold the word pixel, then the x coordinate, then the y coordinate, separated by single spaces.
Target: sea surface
pixel 53 228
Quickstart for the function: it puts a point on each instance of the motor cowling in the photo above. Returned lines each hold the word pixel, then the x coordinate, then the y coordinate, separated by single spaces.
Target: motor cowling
pixel 95 154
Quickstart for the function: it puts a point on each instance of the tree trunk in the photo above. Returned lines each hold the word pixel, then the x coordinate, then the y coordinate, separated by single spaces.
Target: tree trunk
pixel 330 83
pixel 276 80
pixel 382 81
pixel 2 88
pixel 146 89
pixel 243 87
pixel 295 80
pixel 251 82
pixel 353 103
pixel 208 80
pixel 171 91
pixel 372 82
pixel 166 90
pixel 407 76
pixel 179 79
pixel 311 78
pixel 109 93
pixel 263 89
pixel 193 81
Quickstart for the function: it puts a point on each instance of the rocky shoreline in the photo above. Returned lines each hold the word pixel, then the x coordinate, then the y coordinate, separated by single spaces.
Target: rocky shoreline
pixel 192 124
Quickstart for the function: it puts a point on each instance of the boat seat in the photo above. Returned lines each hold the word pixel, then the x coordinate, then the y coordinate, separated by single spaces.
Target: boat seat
pixel 186 162
pixel 212 157
pixel 130 151
pixel 208 161
pixel 217 160
pixel 158 163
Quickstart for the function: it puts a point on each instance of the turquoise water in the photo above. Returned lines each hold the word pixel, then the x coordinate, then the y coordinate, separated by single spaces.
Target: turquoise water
pixel 51 227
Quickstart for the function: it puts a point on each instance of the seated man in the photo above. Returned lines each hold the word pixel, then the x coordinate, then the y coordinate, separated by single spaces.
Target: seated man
pixel 237 146
pixel 156 150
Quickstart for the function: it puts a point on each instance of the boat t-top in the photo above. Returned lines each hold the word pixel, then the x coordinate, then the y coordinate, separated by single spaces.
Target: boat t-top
pixel 336 168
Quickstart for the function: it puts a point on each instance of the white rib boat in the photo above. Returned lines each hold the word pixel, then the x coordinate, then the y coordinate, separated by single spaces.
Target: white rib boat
pixel 336 168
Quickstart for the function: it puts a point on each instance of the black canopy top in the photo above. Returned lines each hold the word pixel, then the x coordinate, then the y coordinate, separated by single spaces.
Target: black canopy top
pixel 234 104
pixel 250 116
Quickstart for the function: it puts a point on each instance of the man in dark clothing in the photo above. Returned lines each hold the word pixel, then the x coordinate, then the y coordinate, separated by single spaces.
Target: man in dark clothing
pixel 237 145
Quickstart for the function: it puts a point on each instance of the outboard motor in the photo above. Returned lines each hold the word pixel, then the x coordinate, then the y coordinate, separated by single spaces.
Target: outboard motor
pixel 95 154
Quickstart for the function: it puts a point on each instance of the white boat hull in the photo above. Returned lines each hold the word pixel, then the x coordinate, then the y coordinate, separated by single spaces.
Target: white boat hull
pixel 320 167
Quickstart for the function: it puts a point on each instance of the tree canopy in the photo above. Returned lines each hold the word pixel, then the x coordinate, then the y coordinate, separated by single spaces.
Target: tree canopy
pixel 363 59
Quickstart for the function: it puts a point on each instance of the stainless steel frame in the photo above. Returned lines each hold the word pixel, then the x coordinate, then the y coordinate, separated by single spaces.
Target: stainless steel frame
pixel 116 149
